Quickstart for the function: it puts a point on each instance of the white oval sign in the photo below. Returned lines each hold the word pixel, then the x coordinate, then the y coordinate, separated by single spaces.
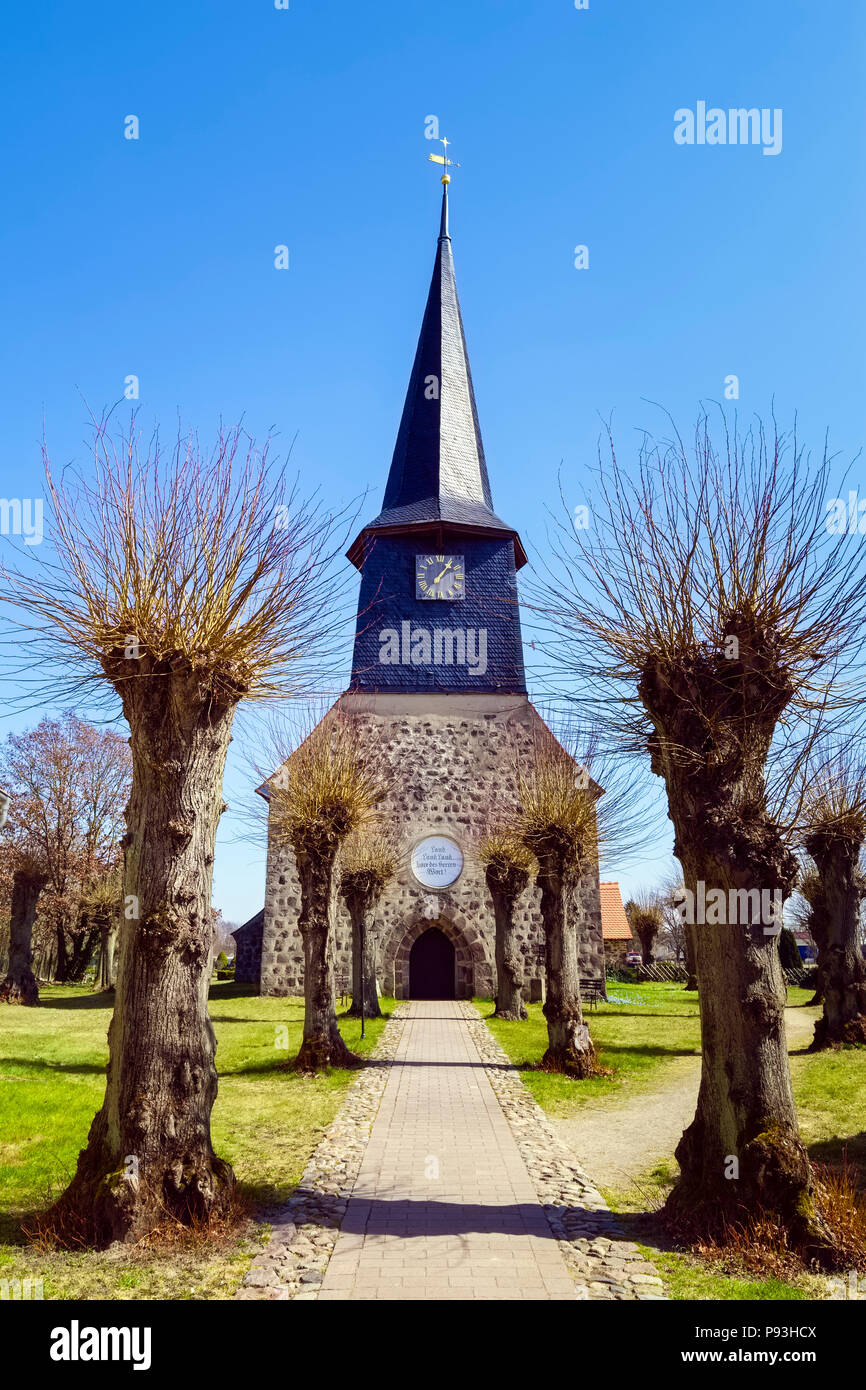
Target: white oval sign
pixel 437 862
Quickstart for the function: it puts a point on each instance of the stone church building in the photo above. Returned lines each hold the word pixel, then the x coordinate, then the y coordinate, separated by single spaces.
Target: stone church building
pixel 438 687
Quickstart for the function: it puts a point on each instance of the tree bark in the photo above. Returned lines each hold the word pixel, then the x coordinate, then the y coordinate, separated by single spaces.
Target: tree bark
pixel 149 1161
pixel 692 980
pixel 505 888
pixel 570 1049
pixel 843 970
pixel 360 906
pixel 322 1045
pixel 19 986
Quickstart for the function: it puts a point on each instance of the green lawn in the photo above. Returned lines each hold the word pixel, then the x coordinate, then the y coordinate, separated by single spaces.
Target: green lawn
pixel 266 1122
pixel 637 1040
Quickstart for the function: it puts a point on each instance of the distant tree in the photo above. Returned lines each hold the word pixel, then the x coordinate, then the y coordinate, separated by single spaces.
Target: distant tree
pixel 325 791
pixel 834 837
pixel 28 880
pixel 70 785
pixel 368 861
pixel 508 867
pixel 556 822
pixel 645 917
pixel 101 910
pixel 789 953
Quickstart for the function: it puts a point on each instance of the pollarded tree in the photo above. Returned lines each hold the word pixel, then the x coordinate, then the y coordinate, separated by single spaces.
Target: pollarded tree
pixel 556 822
pixel 324 792
pixel 28 880
pixel 368 862
pixel 185 583
pixel 101 907
pixel 834 837
pixel 508 868
pixel 810 914
pixel 711 610
pixel 646 918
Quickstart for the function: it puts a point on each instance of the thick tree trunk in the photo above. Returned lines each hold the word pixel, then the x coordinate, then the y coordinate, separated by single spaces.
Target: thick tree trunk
pixel 322 1045
pixel 505 890
pixel 843 970
pixel 83 947
pixel 149 1161
pixel 741 1155
pixel 19 986
pixel 570 1049
pixel 364 964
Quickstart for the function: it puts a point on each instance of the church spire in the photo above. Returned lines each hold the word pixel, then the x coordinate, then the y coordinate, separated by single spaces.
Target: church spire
pixel 438 471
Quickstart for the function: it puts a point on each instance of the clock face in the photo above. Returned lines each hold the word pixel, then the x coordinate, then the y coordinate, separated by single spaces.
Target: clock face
pixel 440 576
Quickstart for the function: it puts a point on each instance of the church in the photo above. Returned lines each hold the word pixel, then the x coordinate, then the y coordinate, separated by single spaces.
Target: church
pixel 438 686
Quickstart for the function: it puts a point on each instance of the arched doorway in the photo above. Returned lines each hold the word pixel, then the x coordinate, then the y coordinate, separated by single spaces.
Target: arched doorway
pixel 432 967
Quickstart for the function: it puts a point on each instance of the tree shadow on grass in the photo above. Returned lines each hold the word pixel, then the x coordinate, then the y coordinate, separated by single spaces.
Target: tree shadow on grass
pixel 10 1226
pixel 650 1049
pixel 34 1064
pixel 103 1000
pixel 227 989
pixel 840 1153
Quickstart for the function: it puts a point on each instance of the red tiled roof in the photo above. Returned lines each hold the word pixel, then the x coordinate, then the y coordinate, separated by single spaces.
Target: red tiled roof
pixel 614 923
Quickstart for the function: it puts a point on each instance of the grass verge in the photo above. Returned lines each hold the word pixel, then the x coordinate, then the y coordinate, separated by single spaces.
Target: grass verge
pixel 266 1122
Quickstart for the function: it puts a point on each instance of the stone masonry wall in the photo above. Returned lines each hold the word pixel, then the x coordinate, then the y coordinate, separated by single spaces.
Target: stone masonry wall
pixel 452 763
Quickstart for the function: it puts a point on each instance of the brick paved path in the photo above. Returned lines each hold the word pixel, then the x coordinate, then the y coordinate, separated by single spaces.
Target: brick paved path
pixel 443 1206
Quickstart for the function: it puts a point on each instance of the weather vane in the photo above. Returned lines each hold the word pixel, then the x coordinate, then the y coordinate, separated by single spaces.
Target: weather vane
pixel 444 160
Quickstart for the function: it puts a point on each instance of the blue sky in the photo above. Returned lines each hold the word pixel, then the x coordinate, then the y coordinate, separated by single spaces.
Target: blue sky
pixel 305 127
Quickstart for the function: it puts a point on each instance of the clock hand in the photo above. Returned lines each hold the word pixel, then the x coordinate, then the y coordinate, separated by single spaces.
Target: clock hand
pixel 439 576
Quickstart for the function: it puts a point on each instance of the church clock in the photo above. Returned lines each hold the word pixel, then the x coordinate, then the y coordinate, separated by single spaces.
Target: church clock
pixel 440 576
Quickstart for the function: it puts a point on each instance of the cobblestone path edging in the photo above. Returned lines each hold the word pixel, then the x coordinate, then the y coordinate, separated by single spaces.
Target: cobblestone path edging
pixel 305 1230
pixel 603 1264
pixel 599 1257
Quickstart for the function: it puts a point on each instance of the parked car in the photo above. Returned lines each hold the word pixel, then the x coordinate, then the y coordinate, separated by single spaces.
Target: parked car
pixel 633 958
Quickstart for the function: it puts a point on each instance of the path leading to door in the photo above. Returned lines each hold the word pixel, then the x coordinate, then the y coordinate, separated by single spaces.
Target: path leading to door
pixel 443 1206
pixel 457 1190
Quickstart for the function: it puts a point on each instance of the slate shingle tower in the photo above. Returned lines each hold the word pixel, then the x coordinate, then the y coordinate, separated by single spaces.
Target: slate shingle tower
pixel 438 504
pixel 438 691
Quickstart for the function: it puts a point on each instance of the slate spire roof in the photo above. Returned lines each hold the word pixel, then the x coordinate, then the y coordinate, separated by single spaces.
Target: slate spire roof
pixel 438 472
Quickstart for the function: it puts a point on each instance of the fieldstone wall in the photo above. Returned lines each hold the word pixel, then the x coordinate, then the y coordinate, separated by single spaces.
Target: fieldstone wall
pixel 248 950
pixel 452 763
